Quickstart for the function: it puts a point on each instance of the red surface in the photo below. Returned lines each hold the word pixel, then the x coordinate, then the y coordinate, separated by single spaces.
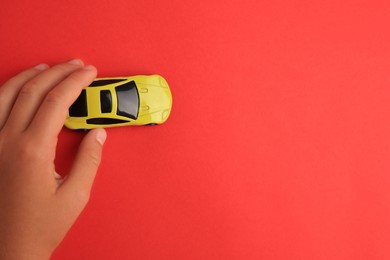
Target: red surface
pixel 278 144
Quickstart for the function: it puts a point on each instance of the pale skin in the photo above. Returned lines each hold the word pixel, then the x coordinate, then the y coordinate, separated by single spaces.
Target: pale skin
pixel 37 206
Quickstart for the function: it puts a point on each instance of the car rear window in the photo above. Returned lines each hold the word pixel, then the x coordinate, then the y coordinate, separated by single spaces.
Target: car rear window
pixel 79 107
pixel 105 101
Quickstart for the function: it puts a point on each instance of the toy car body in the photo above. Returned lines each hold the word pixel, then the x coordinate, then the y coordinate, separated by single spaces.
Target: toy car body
pixel 121 101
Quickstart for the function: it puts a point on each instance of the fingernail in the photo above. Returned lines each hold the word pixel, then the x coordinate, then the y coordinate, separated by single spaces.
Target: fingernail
pixel 75 62
pixel 41 66
pixel 101 136
pixel 57 176
pixel 89 67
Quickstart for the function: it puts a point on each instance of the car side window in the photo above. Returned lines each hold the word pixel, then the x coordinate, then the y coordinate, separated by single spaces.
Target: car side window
pixel 103 82
pixel 106 121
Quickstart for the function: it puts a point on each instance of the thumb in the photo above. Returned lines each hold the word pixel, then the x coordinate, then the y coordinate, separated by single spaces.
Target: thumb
pixel 77 186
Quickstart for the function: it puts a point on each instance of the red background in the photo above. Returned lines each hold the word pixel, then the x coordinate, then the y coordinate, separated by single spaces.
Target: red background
pixel 278 143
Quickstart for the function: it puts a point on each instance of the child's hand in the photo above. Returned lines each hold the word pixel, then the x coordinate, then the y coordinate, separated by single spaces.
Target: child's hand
pixel 37 207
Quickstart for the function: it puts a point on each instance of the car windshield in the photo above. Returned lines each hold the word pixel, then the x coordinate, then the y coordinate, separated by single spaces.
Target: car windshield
pixel 128 100
pixel 79 107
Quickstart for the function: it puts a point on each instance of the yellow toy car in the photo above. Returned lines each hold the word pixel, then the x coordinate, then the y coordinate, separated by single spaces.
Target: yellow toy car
pixel 121 101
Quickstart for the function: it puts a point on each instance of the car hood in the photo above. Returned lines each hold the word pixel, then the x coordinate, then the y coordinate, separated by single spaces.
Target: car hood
pixel 154 99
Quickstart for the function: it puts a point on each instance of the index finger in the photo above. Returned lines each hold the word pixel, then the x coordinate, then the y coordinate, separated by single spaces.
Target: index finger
pixel 52 113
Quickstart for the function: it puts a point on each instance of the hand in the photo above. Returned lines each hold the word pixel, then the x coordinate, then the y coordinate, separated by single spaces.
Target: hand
pixel 37 207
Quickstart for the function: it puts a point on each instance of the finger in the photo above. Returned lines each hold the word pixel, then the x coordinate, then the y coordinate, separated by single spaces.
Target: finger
pixel 78 184
pixel 34 91
pixel 9 91
pixel 58 178
pixel 51 115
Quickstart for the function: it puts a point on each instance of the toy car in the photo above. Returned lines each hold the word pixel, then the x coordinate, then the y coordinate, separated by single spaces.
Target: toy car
pixel 121 101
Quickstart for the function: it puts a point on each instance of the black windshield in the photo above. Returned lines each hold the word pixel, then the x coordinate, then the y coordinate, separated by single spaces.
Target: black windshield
pixel 128 100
